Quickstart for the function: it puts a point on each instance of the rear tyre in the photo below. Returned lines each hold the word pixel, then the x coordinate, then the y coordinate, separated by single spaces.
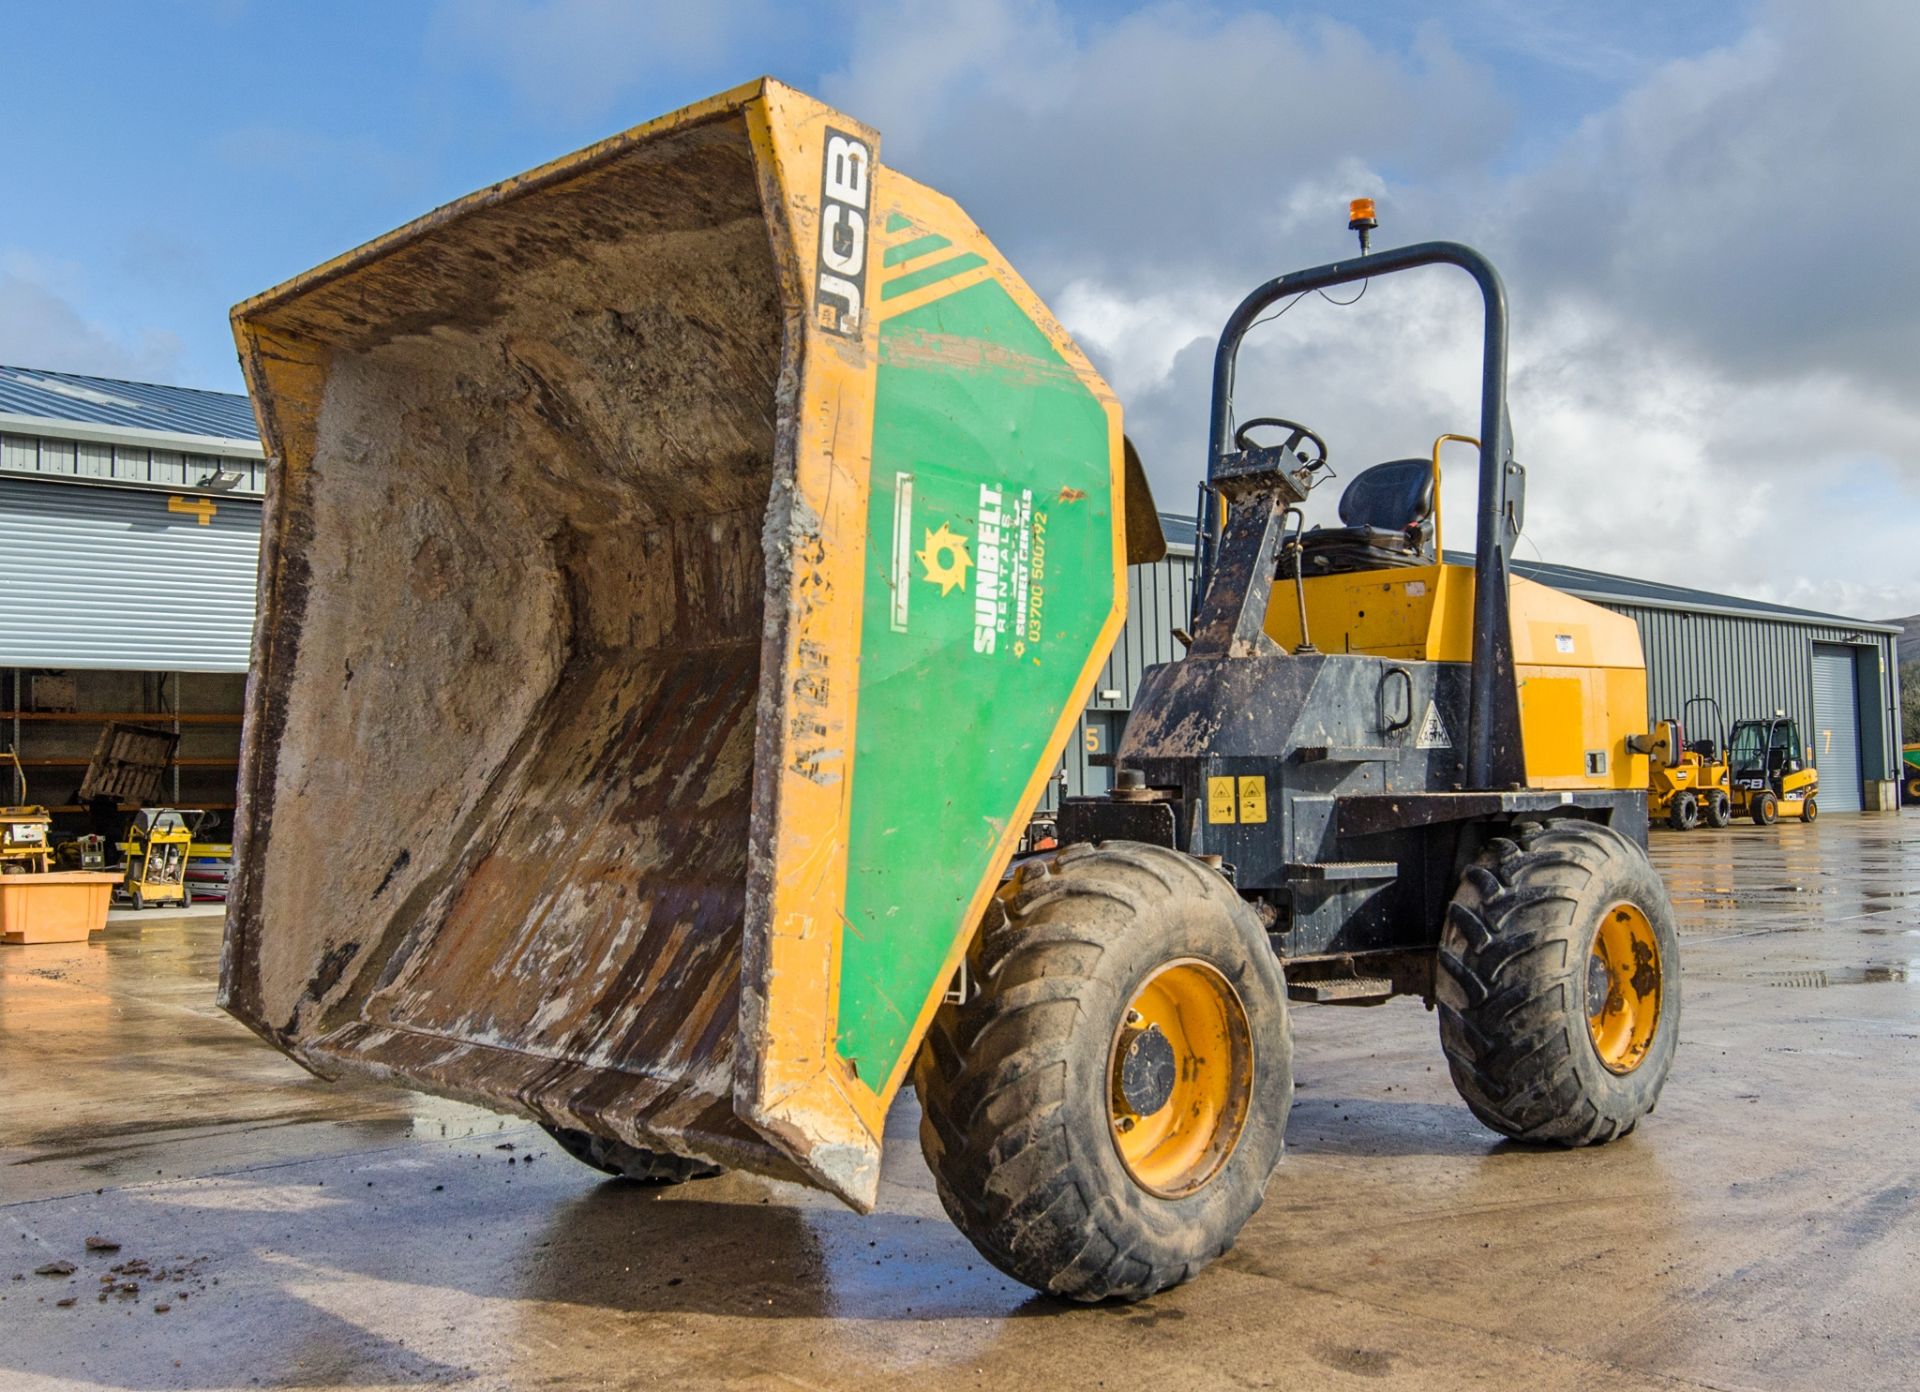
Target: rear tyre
pixel 1913 790
pixel 1101 1119
pixel 623 1161
pixel 1765 809
pixel 1684 815
pixel 139 898
pixel 1559 984
pixel 1810 811
pixel 1719 811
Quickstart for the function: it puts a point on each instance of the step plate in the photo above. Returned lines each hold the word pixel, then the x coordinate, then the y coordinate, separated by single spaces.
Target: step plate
pixel 1348 990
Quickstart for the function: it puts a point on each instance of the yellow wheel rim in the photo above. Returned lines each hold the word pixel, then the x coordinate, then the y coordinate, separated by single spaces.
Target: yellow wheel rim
pixel 1179 1078
pixel 1623 988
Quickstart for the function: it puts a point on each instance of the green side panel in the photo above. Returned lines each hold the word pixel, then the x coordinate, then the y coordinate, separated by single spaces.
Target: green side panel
pixel 928 275
pixel 989 564
pixel 919 246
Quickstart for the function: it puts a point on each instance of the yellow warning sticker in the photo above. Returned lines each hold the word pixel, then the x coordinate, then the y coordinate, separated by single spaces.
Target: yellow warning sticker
pixel 1220 800
pixel 1253 798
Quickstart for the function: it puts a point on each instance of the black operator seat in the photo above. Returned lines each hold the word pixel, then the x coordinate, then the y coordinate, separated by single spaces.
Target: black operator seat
pixel 1388 512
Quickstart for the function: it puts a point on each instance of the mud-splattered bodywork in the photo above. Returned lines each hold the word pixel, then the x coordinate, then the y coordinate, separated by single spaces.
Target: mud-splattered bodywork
pixel 683 565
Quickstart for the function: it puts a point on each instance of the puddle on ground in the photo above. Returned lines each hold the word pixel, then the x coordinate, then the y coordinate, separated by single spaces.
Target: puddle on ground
pixel 1813 978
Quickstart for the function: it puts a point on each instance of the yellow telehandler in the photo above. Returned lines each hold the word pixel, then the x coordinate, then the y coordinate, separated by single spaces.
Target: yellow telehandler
pixel 1773 774
pixel 684 565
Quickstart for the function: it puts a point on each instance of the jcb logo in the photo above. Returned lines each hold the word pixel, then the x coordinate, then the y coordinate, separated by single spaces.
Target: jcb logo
pixel 846 182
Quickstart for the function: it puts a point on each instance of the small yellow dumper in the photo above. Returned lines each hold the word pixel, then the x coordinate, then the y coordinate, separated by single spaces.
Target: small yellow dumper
pixel 1690 779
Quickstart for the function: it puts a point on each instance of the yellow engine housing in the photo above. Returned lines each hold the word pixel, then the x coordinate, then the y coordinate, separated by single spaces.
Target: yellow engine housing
pixel 1581 671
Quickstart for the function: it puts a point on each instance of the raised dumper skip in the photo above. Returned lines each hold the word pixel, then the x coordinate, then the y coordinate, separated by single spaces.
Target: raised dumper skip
pixel 642 530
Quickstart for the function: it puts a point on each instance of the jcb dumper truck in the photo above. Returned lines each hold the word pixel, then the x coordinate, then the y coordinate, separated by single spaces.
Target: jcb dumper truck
pixel 684 565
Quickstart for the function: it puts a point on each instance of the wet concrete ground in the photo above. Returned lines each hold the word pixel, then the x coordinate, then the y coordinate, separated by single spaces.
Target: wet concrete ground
pixel 1762 1230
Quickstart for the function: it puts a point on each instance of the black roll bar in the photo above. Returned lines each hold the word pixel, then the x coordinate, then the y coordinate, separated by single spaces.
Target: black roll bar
pixel 1495 758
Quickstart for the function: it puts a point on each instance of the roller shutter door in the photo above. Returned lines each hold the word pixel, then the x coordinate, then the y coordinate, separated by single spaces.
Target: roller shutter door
pixel 1836 729
pixel 125 579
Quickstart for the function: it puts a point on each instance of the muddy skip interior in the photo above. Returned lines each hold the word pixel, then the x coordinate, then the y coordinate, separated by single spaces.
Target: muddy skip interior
pixel 514 671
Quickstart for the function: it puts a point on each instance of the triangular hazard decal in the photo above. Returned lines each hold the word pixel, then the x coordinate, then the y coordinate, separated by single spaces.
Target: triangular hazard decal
pixel 1433 731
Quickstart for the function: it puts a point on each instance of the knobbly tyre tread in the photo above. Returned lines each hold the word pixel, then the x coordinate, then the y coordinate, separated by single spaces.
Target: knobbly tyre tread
pixel 1511 984
pixel 1030 1177
pixel 623 1161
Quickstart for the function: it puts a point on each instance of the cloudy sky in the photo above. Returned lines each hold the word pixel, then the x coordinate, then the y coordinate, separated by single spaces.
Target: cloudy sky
pixel 1708 215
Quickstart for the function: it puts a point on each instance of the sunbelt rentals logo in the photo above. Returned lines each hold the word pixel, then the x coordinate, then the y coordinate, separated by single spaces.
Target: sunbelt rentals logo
pixel 1000 567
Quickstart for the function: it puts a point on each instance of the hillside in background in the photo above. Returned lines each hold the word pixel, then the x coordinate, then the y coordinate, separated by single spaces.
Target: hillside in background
pixel 1909 677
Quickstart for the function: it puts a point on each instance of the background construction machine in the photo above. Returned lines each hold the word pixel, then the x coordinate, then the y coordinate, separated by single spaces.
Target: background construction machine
pixel 685 564
pixel 26 829
pixel 1690 780
pixel 155 856
pixel 1772 771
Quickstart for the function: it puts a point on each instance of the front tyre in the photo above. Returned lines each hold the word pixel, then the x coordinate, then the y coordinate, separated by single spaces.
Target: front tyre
pixel 1102 1117
pixel 1684 815
pixel 1559 984
pixel 1766 808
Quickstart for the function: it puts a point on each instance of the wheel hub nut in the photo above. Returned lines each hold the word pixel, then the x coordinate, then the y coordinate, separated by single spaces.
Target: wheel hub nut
pixel 1147 1071
pixel 1599 987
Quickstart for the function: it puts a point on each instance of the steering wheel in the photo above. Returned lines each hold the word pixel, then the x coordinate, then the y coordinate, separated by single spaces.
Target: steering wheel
pixel 1297 433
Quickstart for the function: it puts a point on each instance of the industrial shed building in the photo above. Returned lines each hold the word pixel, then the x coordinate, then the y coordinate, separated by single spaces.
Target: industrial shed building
pixel 131 520
pixel 1839 677
pixel 129 541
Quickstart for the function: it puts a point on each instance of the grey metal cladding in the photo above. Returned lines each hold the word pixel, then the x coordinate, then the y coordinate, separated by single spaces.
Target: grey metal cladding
pixel 118 579
pixel 1159 600
pixel 121 462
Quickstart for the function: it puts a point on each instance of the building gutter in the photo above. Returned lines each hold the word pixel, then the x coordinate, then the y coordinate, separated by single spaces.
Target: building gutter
pixel 178 490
